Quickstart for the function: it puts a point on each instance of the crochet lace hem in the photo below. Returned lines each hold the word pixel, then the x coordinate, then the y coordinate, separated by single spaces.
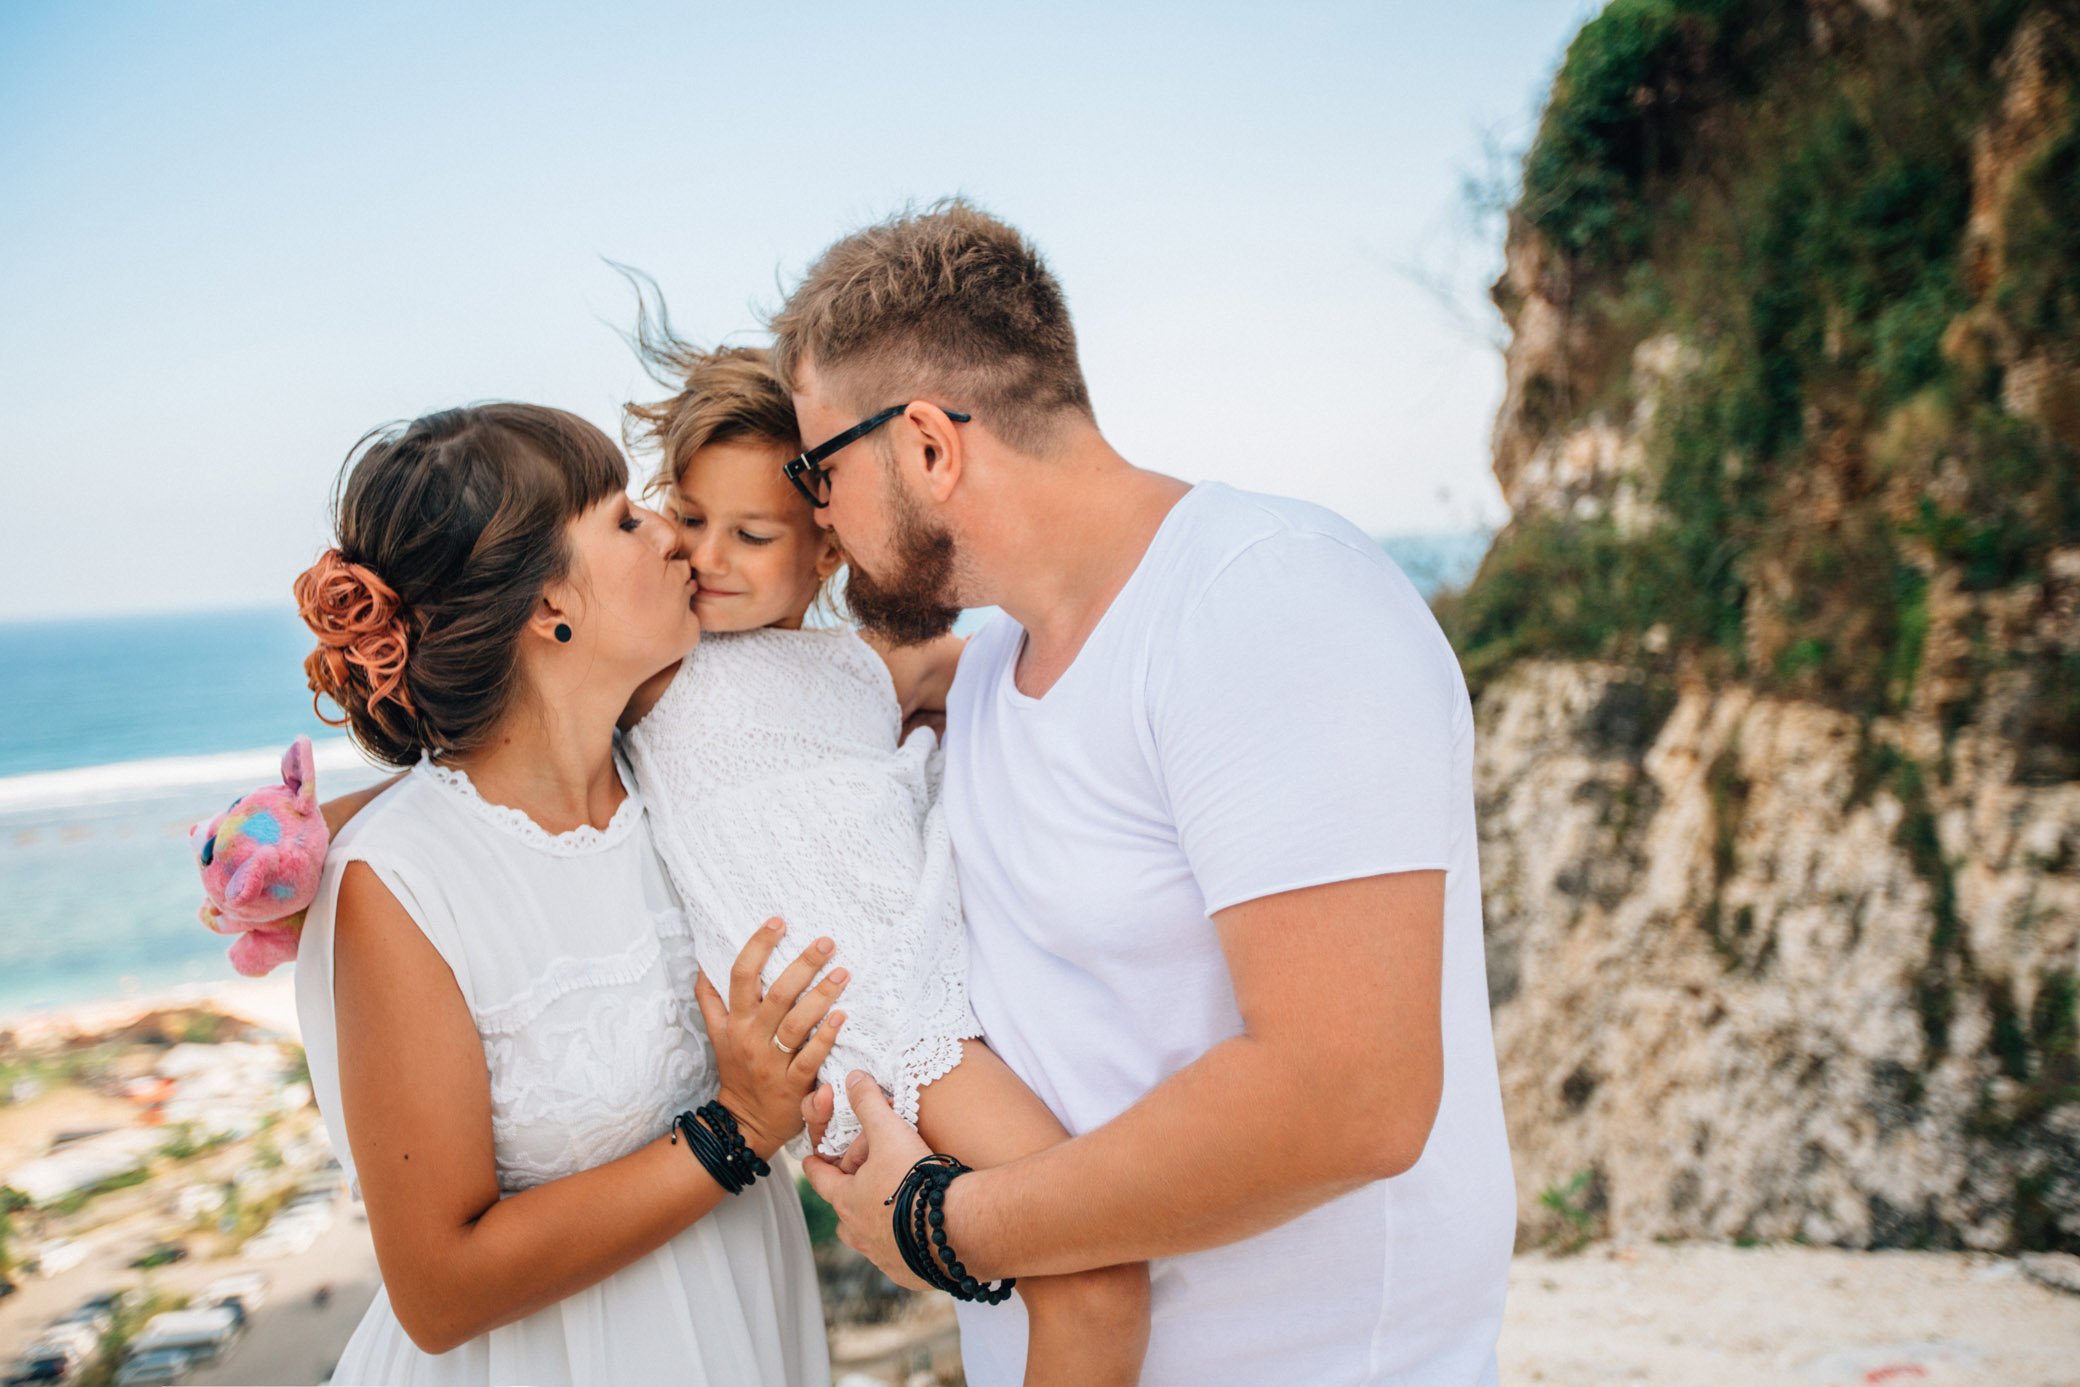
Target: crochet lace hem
pixel 929 1058
pixel 578 841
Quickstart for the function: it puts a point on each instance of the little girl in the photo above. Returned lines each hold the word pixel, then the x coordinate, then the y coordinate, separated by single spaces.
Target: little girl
pixel 775 763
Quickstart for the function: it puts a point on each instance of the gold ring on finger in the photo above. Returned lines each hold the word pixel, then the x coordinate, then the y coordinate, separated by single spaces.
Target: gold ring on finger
pixel 782 1046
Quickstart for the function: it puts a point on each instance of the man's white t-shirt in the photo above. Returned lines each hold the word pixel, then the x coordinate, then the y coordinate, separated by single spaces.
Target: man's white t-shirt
pixel 1267 705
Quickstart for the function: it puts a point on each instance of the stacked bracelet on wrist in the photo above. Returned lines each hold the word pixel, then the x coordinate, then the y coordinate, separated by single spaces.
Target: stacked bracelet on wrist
pixel 712 1135
pixel 920 1227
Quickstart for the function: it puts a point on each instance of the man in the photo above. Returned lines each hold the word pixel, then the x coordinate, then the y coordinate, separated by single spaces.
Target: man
pixel 1209 782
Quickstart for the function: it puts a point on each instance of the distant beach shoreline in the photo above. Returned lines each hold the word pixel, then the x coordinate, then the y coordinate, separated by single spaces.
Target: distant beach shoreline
pixel 268 1002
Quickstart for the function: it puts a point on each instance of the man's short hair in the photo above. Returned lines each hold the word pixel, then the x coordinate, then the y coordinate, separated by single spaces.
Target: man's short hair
pixel 948 302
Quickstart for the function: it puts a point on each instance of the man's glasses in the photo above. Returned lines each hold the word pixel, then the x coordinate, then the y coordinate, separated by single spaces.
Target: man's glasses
pixel 807 472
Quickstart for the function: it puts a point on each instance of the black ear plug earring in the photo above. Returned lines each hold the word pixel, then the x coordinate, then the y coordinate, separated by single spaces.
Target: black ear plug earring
pixel 563 632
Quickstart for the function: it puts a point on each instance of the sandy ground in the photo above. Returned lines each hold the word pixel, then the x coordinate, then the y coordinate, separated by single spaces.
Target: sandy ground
pixel 1675 1316
pixel 1698 1314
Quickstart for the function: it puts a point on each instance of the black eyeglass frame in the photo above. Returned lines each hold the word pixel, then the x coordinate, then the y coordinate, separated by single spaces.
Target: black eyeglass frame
pixel 805 469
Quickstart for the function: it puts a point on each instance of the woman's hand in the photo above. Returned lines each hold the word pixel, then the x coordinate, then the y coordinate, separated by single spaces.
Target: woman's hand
pixel 762 1085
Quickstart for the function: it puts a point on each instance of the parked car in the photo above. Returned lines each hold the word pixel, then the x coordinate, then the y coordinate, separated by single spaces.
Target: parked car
pixel 52 1358
pixel 62 1254
pixel 155 1369
pixel 93 1317
pixel 250 1288
pixel 33 1370
pixel 203 1333
pixel 79 1337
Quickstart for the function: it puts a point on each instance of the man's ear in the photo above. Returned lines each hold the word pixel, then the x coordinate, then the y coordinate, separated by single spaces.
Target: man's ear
pixel 942 452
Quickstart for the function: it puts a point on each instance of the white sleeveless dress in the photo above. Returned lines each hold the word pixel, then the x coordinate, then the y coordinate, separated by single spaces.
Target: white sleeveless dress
pixel 573 955
pixel 773 769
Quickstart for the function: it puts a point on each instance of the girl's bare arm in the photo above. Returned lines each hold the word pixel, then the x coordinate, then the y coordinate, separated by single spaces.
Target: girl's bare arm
pixel 1087 1328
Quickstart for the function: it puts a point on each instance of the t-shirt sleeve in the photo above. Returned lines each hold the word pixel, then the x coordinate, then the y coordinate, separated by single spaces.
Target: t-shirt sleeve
pixel 1304 721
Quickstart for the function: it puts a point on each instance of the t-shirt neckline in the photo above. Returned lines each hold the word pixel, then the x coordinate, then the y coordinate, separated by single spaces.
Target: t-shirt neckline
pixel 1008 686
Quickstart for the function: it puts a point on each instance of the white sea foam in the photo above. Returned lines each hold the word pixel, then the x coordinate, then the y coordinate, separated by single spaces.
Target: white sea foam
pixel 137 780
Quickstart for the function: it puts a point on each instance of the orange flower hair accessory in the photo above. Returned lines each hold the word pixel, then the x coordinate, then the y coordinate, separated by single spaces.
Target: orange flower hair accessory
pixel 357 621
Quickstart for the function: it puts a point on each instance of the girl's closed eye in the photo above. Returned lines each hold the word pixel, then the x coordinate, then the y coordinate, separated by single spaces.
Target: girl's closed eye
pixel 750 538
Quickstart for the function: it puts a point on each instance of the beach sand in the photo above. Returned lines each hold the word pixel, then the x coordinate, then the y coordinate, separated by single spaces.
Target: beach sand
pixel 268 1002
pixel 1804 1316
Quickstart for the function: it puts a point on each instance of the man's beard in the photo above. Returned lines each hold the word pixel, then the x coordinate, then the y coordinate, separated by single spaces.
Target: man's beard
pixel 914 604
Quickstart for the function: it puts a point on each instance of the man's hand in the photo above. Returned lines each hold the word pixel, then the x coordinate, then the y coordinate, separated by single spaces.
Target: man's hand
pixel 864 1221
pixel 817 1109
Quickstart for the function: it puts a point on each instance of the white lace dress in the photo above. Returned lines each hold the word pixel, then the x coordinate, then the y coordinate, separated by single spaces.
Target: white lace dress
pixel 773 768
pixel 574 958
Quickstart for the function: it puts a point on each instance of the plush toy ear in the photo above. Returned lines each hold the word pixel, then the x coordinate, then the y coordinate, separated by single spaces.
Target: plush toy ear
pixel 299 772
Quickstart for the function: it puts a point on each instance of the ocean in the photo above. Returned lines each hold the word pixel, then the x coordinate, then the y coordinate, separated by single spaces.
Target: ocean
pixel 117 734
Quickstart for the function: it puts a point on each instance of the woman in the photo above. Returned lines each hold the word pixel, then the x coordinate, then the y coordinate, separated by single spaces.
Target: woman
pixel 494 981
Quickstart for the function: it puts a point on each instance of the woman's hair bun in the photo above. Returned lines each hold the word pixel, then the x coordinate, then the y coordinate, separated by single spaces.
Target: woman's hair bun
pixel 359 624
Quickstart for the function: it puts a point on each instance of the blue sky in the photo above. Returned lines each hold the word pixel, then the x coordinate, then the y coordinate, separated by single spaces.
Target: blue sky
pixel 234 237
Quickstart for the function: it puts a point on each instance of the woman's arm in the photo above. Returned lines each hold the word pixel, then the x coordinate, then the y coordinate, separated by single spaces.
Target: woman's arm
pixel 458 1260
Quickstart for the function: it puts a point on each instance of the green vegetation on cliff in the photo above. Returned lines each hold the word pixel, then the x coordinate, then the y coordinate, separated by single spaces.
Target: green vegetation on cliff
pixel 1788 188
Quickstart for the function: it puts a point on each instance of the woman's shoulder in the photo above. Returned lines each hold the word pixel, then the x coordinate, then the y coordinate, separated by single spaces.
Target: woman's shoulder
pixel 399 819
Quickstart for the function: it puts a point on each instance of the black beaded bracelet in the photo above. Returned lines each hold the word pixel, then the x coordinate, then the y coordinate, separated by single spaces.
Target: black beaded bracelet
pixel 715 1140
pixel 920 1229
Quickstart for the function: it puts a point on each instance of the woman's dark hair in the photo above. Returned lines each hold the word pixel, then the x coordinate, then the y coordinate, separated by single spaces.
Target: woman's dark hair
pixel 449 528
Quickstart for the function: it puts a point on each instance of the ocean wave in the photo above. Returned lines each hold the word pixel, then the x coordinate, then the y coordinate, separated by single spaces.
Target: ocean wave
pixel 124 781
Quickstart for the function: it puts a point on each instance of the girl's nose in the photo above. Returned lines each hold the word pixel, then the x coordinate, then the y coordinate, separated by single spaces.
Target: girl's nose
pixel 706 553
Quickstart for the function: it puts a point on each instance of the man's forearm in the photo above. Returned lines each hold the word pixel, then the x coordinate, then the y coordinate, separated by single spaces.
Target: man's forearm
pixel 1239 1141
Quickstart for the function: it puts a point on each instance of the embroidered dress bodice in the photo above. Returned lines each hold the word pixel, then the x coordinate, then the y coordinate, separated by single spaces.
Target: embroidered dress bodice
pixel 773 767
pixel 575 960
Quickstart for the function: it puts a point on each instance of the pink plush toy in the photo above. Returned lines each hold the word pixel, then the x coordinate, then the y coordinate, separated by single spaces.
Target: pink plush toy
pixel 260 861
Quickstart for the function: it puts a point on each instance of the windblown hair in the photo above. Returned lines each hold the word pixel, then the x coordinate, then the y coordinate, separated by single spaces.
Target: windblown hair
pixel 718 395
pixel 948 304
pixel 450 528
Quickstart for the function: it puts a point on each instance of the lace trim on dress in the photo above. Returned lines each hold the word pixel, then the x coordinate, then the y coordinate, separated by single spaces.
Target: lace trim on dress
pixel 929 1058
pixel 569 974
pixel 583 839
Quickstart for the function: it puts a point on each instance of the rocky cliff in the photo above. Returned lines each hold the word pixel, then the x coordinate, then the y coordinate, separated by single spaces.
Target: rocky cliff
pixel 1778 662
